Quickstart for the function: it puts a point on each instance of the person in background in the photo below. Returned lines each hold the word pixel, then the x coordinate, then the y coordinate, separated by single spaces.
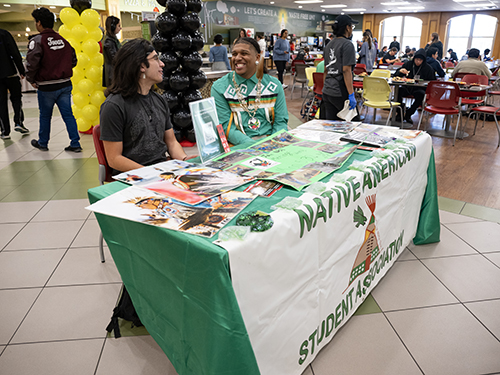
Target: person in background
pixel 486 53
pixel 49 70
pixel 359 44
pixel 340 58
pixel 218 55
pixel 303 54
pixel 328 38
pixel 395 44
pixel 416 69
pixel 241 34
pixel 435 42
pixel 110 46
pixel 390 57
pixel 135 121
pixel 472 65
pixel 281 54
pixel 407 55
pixel 320 68
pixel 453 56
pixel 382 52
pixel 242 113
pixel 292 46
pixel 374 40
pixel 10 59
pixel 261 39
pixel 432 54
pixel 368 52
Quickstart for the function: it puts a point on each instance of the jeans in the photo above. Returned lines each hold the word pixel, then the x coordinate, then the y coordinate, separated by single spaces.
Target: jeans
pixel 46 101
pixel 280 66
pixel 13 84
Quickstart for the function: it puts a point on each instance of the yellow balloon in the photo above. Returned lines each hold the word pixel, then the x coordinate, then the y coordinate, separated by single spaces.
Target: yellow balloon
pixel 90 18
pixel 96 121
pixel 81 99
pixel 94 73
pixel 90 47
pixel 97 98
pixel 97 59
pixel 77 111
pixel 65 31
pixel 83 60
pixel 74 43
pixel 85 86
pixel 79 32
pixel 95 34
pixel 69 17
pixel 83 124
pixel 90 112
pixel 78 75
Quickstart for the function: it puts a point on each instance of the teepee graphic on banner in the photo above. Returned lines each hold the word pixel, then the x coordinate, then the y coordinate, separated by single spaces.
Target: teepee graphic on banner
pixel 370 248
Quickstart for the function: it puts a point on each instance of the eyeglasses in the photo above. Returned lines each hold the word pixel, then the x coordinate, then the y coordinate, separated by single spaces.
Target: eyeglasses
pixel 353 26
pixel 155 57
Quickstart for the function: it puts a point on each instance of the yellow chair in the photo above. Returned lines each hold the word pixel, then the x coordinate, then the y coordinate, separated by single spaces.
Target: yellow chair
pixel 384 73
pixel 309 75
pixel 377 93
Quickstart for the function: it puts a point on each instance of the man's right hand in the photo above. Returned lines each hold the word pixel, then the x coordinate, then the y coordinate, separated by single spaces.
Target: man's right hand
pixel 404 71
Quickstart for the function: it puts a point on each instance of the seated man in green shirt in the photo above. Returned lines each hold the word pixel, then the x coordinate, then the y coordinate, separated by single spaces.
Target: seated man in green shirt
pixel 249 103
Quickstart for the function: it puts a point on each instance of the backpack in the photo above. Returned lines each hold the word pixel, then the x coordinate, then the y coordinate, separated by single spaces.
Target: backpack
pixel 125 310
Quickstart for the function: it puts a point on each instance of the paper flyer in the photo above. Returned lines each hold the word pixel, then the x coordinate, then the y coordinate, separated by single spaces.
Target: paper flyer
pixel 205 219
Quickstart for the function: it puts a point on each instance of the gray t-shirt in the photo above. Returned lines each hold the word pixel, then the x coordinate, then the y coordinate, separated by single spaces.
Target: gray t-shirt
pixel 140 123
pixel 338 53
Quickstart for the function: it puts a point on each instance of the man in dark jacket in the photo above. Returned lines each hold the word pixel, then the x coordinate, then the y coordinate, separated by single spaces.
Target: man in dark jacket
pixel 395 44
pixel 432 54
pixel 50 62
pixel 416 69
pixel 10 59
pixel 453 56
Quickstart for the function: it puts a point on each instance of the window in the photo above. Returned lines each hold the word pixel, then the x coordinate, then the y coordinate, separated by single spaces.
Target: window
pixel 471 31
pixel 407 29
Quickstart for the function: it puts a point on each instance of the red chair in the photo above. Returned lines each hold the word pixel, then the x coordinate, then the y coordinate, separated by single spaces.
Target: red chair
pixel 104 173
pixel 466 95
pixel 449 64
pixel 318 79
pixel 442 98
pixel 359 68
pixel 485 110
pixel 398 64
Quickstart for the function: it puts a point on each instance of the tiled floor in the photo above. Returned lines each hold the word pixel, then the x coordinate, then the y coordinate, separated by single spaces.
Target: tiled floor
pixel 436 312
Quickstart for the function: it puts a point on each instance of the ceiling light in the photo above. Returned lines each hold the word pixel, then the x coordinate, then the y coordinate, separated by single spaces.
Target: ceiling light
pixel 411 8
pixel 308 1
pixel 354 10
pixel 323 10
pixel 28 29
pixel 300 6
pixel 361 12
pixel 342 13
pixel 478 5
pixel 333 6
pixel 7 5
pixel 464 1
pixel 396 3
pixel 26 34
pixel 272 2
pixel 52 7
pixel 18 35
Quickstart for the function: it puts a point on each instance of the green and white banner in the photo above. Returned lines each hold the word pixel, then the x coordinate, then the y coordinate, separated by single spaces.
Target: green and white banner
pixel 299 282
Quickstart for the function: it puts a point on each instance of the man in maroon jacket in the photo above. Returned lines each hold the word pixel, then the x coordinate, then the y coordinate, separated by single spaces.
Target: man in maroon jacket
pixel 50 62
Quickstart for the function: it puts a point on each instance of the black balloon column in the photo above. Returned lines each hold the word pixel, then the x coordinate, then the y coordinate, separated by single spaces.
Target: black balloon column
pixel 178 42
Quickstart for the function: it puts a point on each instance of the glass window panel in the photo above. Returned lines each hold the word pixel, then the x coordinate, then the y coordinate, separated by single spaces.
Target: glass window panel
pixel 356 35
pixel 460 26
pixel 458 45
pixel 412 42
pixel 482 43
pixel 484 25
pixel 412 27
pixel 392 27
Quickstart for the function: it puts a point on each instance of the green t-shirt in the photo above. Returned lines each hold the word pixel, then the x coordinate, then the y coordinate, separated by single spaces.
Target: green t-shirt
pixel 272 106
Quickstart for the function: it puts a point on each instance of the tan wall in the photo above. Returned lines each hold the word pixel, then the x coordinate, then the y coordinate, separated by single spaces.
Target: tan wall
pixel 431 22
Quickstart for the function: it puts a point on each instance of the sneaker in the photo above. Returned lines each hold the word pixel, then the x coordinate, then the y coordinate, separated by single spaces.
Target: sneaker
pixel 21 129
pixel 37 145
pixel 284 86
pixel 73 149
pixel 5 136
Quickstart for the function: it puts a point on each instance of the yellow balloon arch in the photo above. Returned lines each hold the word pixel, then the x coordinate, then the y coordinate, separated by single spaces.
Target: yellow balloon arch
pixel 83 33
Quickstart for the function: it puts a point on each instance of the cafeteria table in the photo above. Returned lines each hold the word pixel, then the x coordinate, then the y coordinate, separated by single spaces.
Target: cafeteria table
pixel 267 304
